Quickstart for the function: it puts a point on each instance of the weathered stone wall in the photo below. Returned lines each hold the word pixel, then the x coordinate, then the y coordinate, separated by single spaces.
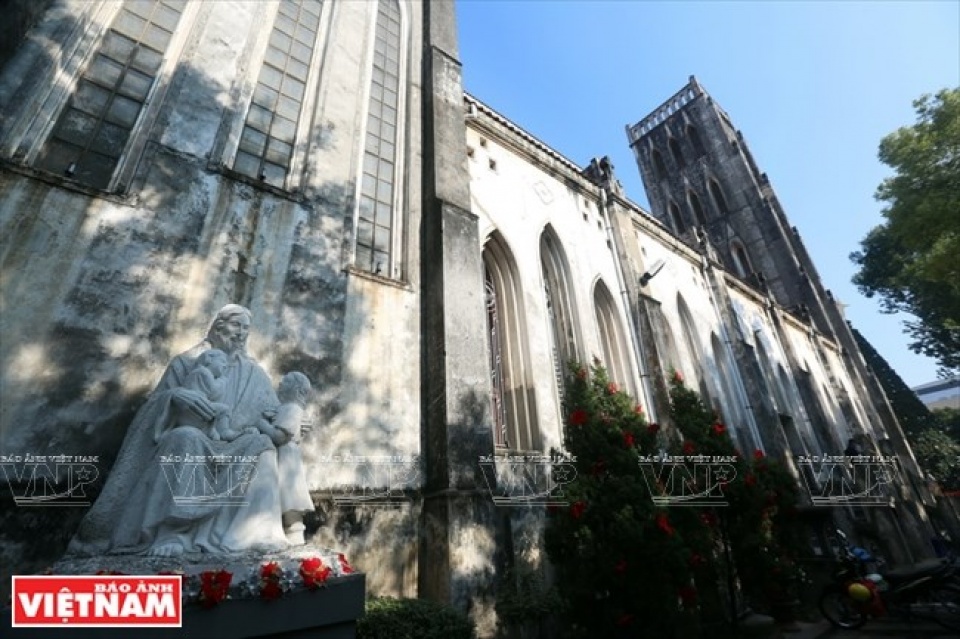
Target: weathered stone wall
pixel 100 290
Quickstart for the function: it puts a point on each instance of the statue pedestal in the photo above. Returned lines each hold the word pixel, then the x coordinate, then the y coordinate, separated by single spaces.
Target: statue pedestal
pixel 329 612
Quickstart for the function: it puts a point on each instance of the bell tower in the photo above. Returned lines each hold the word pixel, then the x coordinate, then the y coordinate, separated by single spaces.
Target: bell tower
pixel 703 184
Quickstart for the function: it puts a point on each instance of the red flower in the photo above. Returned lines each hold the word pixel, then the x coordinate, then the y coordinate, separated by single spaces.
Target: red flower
pixel 750 480
pixel 653 429
pixel 663 523
pixel 758 454
pixel 628 440
pixel 719 429
pixel 598 468
pixel 213 587
pixel 696 560
pixel 677 377
pixel 612 388
pixel 270 574
pixel 638 409
pixel 621 567
pixel 582 374
pixel 579 417
pixel 688 447
pixel 345 566
pixel 709 519
pixel 625 620
pixel 576 510
pixel 688 595
pixel 313 572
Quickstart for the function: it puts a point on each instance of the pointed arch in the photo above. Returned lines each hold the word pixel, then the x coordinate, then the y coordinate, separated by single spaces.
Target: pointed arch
pixel 675 151
pixel 613 343
pixel 513 404
pixel 561 306
pixel 659 168
pixel 741 261
pixel 694 347
pixel 718 199
pixel 697 208
pixel 695 141
pixel 733 412
pixel 677 218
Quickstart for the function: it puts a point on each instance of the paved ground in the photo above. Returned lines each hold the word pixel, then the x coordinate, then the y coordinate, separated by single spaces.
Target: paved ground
pixel 874 629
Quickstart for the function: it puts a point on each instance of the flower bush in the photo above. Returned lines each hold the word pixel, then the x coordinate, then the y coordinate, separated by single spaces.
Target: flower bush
pixel 625 564
pixel 622 563
pixel 760 521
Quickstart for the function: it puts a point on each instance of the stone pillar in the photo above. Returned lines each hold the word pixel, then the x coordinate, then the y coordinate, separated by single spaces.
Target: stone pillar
pixel 458 528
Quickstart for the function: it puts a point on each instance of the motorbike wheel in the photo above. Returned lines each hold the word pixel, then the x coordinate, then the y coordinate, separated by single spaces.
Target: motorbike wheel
pixel 945 602
pixel 840 610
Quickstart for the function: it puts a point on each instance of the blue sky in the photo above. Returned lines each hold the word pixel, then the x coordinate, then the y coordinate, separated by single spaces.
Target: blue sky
pixel 812 85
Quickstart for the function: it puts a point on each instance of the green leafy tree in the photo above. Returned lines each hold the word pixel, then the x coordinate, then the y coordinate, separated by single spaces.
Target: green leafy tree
pixel 910 261
pixel 948 420
pixel 937 453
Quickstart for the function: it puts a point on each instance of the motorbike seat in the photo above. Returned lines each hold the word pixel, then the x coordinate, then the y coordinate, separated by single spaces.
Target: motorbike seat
pixel 924 568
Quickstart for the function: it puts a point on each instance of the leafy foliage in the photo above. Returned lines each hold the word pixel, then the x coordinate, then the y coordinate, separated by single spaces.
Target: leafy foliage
pixel 933 435
pixel 910 261
pixel 626 566
pixel 388 618
pixel 937 453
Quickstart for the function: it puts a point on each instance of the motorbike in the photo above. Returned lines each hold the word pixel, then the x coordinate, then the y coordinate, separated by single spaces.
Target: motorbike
pixel 861 589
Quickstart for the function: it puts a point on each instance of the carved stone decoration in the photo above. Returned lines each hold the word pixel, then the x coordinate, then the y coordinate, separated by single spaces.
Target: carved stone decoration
pixel 200 468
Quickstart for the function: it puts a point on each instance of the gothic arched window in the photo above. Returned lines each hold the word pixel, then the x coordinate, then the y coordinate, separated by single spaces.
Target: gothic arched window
pixel 677 218
pixel 694 349
pixel 718 198
pixel 740 260
pixel 378 236
pixel 93 131
pixel 675 151
pixel 512 403
pixel 561 310
pixel 695 140
pixel 616 355
pixel 697 208
pixel 659 168
pixel 273 123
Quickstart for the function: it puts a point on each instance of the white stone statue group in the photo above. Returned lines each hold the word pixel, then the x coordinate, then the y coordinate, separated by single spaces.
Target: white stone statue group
pixel 211 463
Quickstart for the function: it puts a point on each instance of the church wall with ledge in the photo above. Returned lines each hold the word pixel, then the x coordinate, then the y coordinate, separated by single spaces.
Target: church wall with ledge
pixel 100 290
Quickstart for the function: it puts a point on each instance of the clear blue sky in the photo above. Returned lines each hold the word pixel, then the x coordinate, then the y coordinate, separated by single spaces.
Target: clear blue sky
pixel 812 85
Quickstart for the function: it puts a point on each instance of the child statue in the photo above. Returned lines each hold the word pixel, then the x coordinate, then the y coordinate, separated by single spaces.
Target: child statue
pixel 285 432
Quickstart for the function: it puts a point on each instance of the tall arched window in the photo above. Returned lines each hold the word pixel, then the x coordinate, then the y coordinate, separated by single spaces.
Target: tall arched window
pixel 694 348
pixel 740 260
pixel 561 310
pixel 659 168
pixel 94 129
pixel 616 354
pixel 675 151
pixel 697 208
pixel 677 218
pixel 513 404
pixel 733 410
pixel 695 140
pixel 378 236
pixel 269 134
pixel 718 199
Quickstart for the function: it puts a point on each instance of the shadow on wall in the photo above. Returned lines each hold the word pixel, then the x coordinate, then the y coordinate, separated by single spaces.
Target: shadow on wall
pixel 98 293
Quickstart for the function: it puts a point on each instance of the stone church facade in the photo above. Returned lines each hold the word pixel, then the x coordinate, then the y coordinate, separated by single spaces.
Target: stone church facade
pixel 426 262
